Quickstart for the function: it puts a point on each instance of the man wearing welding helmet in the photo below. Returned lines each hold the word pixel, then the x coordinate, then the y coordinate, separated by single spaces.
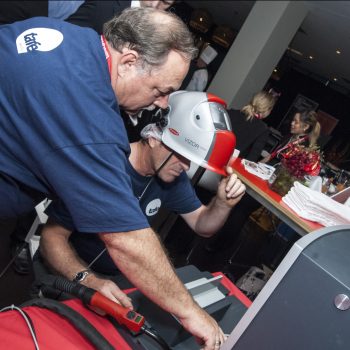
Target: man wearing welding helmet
pixel 158 165
pixel 157 169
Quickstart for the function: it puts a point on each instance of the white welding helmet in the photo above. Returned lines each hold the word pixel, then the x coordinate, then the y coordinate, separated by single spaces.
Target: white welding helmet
pixel 198 127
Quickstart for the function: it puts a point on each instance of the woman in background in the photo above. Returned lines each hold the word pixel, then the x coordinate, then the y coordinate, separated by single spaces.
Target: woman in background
pixel 247 124
pixel 304 130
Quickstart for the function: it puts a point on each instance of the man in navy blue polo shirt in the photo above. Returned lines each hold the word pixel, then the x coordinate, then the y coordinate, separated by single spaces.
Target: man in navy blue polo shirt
pixel 61 135
pixel 92 14
pixel 158 175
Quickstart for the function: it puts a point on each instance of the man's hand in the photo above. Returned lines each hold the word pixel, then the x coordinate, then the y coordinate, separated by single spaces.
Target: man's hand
pixel 208 219
pixel 230 189
pixel 109 289
pixel 155 278
pixel 266 159
pixel 205 329
pixel 62 258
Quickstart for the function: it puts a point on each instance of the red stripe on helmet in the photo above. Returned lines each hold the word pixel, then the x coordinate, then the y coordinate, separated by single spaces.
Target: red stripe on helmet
pixel 225 143
pixel 173 131
pixel 213 98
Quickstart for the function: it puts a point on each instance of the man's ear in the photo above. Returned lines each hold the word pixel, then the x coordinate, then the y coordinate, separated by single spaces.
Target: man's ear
pixel 153 143
pixel 128 61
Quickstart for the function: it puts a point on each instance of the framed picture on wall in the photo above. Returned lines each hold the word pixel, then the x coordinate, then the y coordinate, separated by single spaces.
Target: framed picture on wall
pixel 327 121
pixel 300 102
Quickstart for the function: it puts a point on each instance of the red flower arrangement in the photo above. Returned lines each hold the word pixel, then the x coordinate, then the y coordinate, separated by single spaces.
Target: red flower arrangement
pixel 300 160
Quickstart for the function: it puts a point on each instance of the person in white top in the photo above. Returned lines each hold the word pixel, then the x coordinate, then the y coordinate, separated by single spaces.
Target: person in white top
pixel 200 76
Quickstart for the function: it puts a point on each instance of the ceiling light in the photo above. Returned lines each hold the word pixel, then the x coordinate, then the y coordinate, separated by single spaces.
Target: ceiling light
pixel 335 79
pixel 295 51
pixel 201 20
pixel 311 57
pixel 338 52
pixel 224 36
pixel 275 70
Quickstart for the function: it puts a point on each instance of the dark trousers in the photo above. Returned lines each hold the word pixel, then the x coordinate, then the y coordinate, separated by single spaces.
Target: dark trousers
pixel 23 225
pixel 227 236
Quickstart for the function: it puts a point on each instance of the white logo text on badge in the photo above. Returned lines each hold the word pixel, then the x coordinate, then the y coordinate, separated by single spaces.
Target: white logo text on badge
pixel 38 39
pixel 153 207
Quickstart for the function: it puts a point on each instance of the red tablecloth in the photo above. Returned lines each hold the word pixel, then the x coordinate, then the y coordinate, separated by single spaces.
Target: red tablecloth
pixel 262 187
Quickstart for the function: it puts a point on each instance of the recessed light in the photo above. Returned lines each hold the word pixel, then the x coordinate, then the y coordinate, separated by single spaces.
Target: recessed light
pixel 275 70
pixel 335 79
pixel 311 57
pixel 295 51
pixel 338 52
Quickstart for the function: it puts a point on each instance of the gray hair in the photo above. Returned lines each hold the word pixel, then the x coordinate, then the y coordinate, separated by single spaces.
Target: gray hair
pixel 152 33
pixel 151 130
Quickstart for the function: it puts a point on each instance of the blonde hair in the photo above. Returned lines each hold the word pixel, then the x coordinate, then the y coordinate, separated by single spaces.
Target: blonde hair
pixel 261 103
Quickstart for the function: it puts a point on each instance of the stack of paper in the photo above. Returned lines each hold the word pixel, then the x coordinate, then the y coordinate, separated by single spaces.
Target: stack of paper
pixel 315 206
pixel 261 170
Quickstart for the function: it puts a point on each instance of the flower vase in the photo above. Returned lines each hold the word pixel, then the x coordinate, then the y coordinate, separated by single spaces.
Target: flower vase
pixel 283 181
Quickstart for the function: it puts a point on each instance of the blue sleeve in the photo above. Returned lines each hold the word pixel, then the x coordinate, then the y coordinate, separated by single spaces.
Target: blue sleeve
pixel 94 186
pixel 182 198
pixel 65 132
pixel 60 214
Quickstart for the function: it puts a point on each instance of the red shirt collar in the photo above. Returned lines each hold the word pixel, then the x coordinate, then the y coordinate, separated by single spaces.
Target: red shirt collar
pixel 107 53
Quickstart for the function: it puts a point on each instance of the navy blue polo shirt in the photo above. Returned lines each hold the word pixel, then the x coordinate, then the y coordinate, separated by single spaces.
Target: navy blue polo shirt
pixel 61 132
pixel 177 196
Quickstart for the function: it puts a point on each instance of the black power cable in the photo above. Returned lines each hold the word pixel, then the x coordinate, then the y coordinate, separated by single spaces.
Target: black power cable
pixel 87 294
pixel 156 337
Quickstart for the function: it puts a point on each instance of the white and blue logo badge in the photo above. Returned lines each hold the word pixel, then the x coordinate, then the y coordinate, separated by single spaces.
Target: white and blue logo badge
pixel 153 207
pixel 38 39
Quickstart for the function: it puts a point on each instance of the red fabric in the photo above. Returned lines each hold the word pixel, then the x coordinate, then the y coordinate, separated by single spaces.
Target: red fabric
pixel 257 182
pixel 53 331
pixel 262 185
pixel 226 282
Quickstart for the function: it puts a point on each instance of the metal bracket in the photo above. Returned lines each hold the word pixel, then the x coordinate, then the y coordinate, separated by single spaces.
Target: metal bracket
pixel 205 291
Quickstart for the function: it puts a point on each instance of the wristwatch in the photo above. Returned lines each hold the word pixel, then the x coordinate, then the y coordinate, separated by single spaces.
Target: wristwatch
pixel 80 276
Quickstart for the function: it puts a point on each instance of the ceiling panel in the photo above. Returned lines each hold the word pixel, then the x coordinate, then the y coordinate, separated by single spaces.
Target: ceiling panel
pixel 325 29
